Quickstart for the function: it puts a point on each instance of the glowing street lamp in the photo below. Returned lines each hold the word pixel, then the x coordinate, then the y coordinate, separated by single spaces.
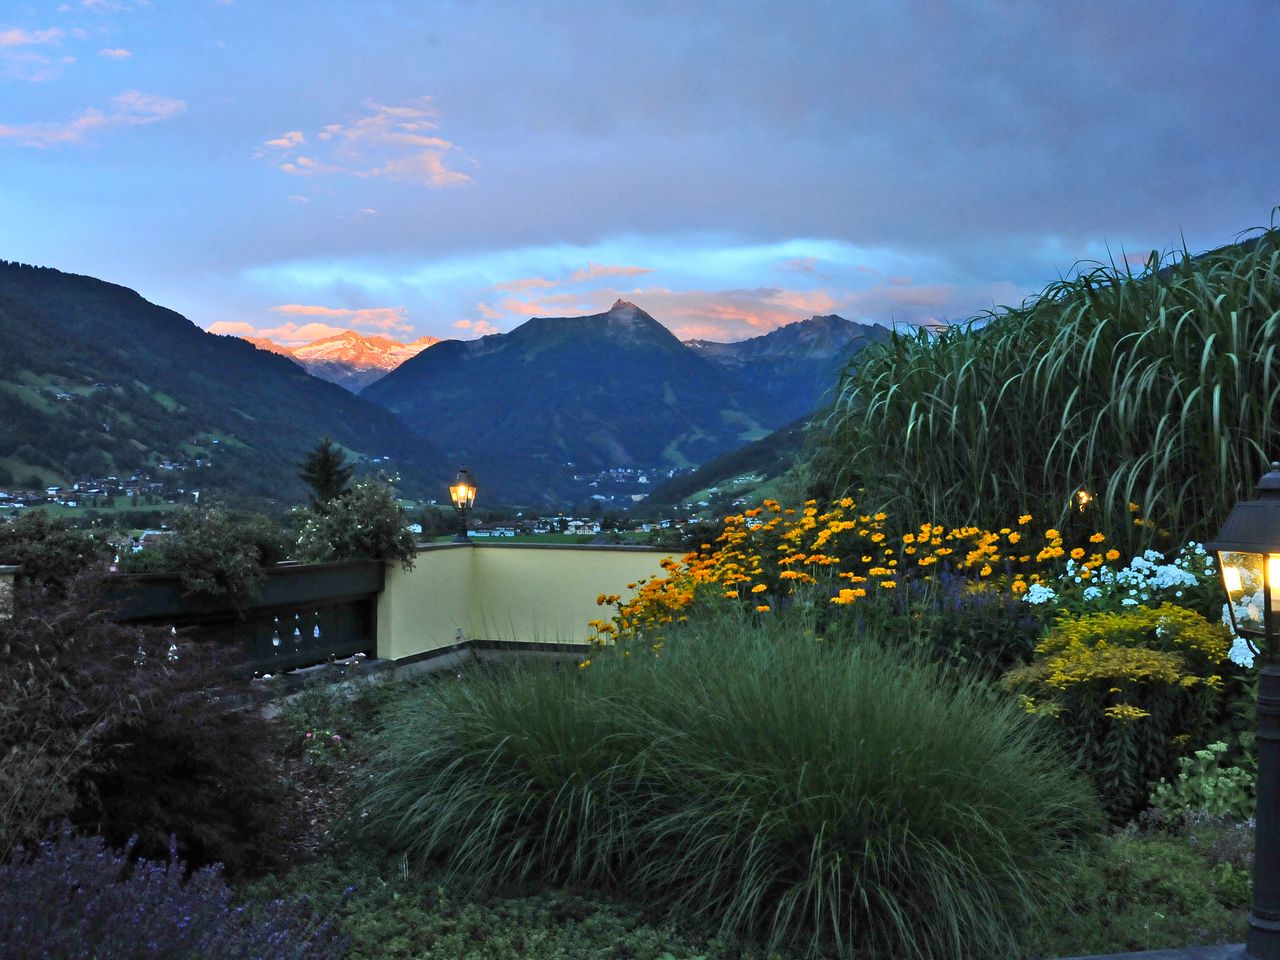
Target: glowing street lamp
pixel 463 494
pixel 1248 552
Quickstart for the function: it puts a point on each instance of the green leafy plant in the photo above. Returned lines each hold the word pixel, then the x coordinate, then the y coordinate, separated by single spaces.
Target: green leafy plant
pixel 1126 688
pixel 49 550
pixel 365 523
pixel 218 553
pixel 1154 388
pixel 1208 783
pixel 825 798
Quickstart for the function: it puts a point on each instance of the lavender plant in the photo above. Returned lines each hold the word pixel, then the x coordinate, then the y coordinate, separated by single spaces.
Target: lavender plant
pixel 72 897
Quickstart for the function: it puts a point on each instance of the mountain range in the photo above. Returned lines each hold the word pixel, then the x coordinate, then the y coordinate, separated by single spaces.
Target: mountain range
pixel 349 359
pixel 96 381
pixel 565 397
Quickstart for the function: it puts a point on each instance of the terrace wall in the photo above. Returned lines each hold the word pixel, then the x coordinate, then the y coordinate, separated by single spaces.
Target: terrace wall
pixel 542 593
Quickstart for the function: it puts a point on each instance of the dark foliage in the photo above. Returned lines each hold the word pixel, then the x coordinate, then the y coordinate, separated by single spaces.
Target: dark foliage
pixel 197 765
pixel 326 471
pixel 70 680
pixel 74 898
pixel 218 552
pixel 49 550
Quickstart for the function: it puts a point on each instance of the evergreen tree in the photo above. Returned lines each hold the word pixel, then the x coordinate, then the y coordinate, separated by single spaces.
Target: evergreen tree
pixel 326 471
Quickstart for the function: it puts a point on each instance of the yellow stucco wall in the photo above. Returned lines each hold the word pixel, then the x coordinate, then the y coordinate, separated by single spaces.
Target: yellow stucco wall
pixel 543 593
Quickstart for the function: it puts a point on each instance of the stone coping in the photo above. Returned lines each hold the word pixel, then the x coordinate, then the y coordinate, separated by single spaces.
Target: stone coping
pixel 9 568
pixel 517 545
pixel 1230 951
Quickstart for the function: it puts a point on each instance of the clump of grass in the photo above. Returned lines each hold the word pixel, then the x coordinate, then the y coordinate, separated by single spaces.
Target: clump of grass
pixel 821 798
pixel 1153 387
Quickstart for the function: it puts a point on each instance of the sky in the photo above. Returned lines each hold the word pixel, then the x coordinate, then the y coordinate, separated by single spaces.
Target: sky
pixel 417 167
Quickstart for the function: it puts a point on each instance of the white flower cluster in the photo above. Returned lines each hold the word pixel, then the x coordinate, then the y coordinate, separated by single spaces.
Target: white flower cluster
pixel 1147 577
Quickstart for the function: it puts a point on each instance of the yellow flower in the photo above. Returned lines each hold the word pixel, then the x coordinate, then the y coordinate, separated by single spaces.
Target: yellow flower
pixel 759 588
pixel 1024 519
pixel 1052 534
pixel 888 584
pixel 985 571
pixel 1097 538
pixel 763 608
pixel 584 664
pixel 1015 537
pixel 1113 554
pixel 1077 553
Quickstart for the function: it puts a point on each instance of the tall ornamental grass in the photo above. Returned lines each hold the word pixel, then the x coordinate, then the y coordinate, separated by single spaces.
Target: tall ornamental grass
pixel 806 795
pixel 1155 388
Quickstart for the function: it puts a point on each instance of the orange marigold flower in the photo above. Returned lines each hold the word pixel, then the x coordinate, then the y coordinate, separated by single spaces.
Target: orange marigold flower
pixel 1113 555
pixel 1077 553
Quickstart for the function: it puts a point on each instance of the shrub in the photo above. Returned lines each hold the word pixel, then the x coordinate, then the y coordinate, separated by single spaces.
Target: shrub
pixel 70 679
pixel 1128 688
pixel 75 899
pixel 365 523
pixel 217 552
pixel 1208 785
pixel 1135 893
pixel 1156 388
pixel 813 796
pixel 195 766
pixel 48 548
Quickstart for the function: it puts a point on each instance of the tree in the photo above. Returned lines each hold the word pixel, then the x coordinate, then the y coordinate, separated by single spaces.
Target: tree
pixel 365 523
pixel 326 471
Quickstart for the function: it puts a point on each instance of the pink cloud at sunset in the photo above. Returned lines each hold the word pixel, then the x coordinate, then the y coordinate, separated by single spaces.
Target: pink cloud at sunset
pixel 481 328
pixel 129 109
pixel 392 142
pixel 377 318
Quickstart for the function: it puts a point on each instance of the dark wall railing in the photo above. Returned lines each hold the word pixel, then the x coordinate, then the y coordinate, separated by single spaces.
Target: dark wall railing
pixel 303 615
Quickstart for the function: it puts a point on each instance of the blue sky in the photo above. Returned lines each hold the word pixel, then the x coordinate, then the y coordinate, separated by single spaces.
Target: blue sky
pixel 450 169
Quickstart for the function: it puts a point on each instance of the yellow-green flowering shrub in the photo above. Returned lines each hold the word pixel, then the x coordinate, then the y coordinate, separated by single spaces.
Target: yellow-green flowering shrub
pixel 1130 688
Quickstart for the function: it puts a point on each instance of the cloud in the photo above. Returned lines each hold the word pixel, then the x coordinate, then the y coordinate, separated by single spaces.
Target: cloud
pixel 129 109
pixel 481 328
pixel 293 334
pixel 376 318
pixel 593 271
pixel 524 283
pixel 391 142
pixel 290 138
pixel 232 327
pixel 17 37
pixel 22 57
pixel 115 53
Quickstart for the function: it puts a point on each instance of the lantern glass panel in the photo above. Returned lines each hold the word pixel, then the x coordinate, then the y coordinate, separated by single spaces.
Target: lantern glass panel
pixel 1242 576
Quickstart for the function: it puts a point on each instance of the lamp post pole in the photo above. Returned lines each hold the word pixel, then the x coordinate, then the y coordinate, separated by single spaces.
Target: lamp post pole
pixel 1248 552
pixel 1263 938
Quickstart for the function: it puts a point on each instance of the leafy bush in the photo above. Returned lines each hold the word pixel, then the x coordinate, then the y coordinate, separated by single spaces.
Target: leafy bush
pixel 1206 784
pixel 218 552
pixel 365 523
pixel 75 899
pixel 1128 688
pixel 70 679
pixel 812 796
pixel 388 915
pixel 48 548
pixel 1156 388
pixel 194 765
pixel 1134 893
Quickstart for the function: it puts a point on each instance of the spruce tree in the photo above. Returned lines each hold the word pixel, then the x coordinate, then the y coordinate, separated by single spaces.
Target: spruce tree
pixel 326 471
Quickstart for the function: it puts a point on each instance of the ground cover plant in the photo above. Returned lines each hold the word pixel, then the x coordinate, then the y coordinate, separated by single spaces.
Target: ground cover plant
pixel 1152 387
pixel 77 899
pixel 827 799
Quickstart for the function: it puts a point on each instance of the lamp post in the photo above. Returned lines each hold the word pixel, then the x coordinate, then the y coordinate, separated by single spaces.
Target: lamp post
pixel 1248 552
pixel 463 494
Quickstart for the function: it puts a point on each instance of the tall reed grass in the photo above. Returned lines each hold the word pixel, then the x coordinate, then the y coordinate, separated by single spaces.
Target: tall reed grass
pixel 1157 388
pixel 815 797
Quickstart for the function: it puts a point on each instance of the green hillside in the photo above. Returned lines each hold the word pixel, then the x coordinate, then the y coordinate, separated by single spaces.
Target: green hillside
pixel 97 381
